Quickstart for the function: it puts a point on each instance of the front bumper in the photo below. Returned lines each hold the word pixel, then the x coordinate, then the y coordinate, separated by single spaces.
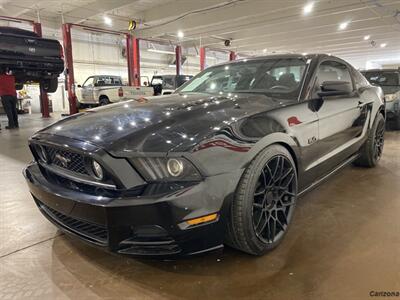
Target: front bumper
pixel 152 223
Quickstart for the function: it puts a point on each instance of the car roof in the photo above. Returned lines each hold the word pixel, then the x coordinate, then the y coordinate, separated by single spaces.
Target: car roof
pixel 281 56
pixel 381 70
pixel 105 76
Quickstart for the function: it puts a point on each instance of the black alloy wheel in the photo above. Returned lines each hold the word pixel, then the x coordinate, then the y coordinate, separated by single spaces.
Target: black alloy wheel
pixel 274 199
pixel 379 141
pixel 371 151
pixel 264 202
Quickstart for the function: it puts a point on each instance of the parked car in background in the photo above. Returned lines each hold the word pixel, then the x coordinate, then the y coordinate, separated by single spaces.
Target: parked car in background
pixel 221 160
pixel 389 81
pixel 30 57
pixel 167 84
pixel 105 89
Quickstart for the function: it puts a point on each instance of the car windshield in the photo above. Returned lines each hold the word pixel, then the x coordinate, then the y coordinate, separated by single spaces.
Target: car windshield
pixel 181 79
pixel 383 78
pixel 277 77
pixel 389 81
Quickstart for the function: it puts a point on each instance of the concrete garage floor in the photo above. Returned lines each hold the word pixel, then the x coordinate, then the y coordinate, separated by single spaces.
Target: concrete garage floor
pixel 344 242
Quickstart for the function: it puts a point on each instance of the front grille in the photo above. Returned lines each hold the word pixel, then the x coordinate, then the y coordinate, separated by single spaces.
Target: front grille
pixel 89 231
pixel 71 161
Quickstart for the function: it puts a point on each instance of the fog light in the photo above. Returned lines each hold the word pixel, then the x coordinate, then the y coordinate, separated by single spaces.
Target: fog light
pixel 97 170
pixel 175 167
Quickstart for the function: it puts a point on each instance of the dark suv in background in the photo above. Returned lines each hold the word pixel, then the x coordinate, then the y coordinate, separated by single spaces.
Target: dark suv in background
pixel 167 84
pixel 389 81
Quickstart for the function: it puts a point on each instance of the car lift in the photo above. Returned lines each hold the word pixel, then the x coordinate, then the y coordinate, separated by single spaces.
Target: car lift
pixel 37 28
pixel 133 58
pixel 232 56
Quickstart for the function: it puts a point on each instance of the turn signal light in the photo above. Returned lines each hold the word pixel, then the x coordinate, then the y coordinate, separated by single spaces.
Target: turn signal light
pixel 203 219
pixel 120 92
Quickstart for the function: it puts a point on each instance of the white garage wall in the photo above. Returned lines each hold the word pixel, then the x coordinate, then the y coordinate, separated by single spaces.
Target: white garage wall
pixel 95 58
pixel 98 54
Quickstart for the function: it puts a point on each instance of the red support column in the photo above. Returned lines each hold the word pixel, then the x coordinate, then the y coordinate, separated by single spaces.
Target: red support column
pixel 232 55
pixel 202 58
pixel 133 57
pixel 178 59
pixel 70 80
pixel 44 99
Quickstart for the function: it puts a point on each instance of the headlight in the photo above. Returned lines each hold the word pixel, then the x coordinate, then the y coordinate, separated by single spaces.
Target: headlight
pixel 41 152
pixel 392 97
pixel 175 167
pixel 97 170
pixel 166 169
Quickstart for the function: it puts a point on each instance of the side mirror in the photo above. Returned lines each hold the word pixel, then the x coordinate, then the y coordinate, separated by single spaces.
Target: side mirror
pixel 79 86
pixel 335 88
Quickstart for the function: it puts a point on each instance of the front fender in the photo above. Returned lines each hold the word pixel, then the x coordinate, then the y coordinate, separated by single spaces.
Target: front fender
pixel 221 155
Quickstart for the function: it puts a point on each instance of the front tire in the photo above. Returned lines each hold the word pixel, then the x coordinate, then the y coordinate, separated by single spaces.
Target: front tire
pixel 264 202
pixel 104 101
pixel 372 149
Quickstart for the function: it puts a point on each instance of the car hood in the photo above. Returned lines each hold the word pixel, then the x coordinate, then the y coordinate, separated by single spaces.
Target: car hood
pixel 160 124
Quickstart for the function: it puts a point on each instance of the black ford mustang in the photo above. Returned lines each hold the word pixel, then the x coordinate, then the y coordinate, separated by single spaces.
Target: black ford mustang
pixel 222 160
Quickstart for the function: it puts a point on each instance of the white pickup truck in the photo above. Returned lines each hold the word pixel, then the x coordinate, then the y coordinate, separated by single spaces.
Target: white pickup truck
pixel 105 89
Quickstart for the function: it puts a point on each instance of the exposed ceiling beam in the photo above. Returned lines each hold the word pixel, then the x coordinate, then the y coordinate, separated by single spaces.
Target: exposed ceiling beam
pixel 238 12
pixel 178 9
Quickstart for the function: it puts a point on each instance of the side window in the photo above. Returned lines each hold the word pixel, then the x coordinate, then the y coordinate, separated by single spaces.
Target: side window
pixel 360 80
pixel 101 81
pixel 108 81
pixel 333 71
pixel 116 81
pixel 169 83
pixel 88 83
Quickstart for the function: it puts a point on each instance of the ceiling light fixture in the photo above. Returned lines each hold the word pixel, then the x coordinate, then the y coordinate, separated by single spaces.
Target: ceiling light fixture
pixel 383 45
pixel 107 20
pixel 180 34
pixel 367 37
pixel 344 25
pixel 308 8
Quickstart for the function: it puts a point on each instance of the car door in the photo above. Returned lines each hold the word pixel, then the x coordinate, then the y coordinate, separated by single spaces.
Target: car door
pixel 341 118
pixel 87 90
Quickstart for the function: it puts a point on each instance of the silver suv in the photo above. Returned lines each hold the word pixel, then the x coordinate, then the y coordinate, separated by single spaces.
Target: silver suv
pixel 389 81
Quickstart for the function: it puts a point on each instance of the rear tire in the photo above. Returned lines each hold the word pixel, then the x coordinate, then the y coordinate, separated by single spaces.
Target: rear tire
pixel 104 101
pixel 371 151
pixel 264 202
